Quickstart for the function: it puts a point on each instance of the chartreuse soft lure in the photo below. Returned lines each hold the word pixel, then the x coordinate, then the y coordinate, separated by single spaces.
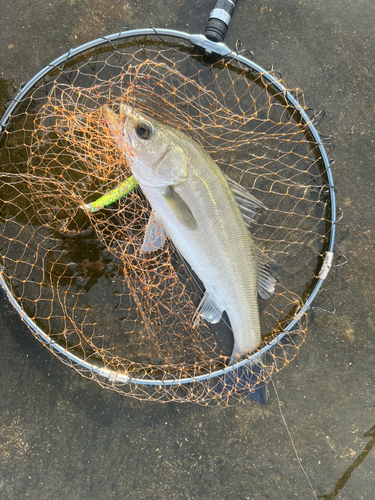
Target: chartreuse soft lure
pixel 114 195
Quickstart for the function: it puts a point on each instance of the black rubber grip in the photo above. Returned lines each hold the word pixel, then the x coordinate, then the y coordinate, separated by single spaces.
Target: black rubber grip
pixel 219 20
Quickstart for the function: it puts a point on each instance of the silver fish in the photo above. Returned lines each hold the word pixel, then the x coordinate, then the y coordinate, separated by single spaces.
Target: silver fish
pixel 204 214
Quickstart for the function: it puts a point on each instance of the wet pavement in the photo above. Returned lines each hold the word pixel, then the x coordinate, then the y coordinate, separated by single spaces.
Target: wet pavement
pixel 63 437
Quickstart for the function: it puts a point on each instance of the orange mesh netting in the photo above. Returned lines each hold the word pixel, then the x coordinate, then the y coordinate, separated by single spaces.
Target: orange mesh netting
pixel 78 275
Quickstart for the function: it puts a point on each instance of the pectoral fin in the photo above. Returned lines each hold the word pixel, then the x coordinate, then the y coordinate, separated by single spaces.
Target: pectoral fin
pixel 208 310
pixel 155 235
pixel 179 208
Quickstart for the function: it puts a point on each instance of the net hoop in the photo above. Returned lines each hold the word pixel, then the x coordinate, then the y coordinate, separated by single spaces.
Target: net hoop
pixel 199 41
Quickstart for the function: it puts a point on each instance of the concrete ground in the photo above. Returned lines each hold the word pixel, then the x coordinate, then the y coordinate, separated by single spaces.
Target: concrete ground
pixel 63 437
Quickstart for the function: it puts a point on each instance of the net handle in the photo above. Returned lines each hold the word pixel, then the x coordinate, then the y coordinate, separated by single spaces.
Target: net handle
pixel 218 22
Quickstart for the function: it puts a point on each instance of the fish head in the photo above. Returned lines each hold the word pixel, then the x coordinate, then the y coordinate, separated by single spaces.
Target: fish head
pixel 152 149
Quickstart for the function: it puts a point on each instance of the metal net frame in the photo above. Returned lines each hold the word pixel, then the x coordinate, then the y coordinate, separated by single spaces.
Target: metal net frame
pixel 76 276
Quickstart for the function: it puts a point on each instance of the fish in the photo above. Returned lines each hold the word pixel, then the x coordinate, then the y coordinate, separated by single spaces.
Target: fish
pixel 205 214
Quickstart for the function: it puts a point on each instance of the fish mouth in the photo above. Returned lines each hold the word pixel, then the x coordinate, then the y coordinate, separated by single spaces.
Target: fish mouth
pixel 118 124
pixel 126 113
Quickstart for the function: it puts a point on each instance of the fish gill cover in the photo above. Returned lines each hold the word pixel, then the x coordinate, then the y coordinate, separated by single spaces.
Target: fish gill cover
pixel 126 318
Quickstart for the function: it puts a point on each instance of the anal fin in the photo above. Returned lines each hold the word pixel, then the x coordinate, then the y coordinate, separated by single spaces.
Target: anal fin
pixel 208 310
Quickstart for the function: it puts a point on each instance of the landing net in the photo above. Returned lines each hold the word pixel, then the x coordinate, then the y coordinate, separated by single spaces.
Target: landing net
pixel 77 277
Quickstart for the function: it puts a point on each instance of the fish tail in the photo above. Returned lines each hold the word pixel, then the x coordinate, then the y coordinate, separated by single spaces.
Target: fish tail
pixel 246 380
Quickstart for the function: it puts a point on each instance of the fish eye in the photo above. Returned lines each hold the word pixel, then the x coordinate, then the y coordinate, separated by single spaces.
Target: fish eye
pixel 144 130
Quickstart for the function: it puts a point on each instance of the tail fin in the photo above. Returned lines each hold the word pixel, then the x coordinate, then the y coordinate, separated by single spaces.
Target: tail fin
pixel 244 381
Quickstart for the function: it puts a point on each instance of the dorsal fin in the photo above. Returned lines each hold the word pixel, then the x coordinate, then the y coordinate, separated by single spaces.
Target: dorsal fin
pixel 266 278
pixel 247 203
